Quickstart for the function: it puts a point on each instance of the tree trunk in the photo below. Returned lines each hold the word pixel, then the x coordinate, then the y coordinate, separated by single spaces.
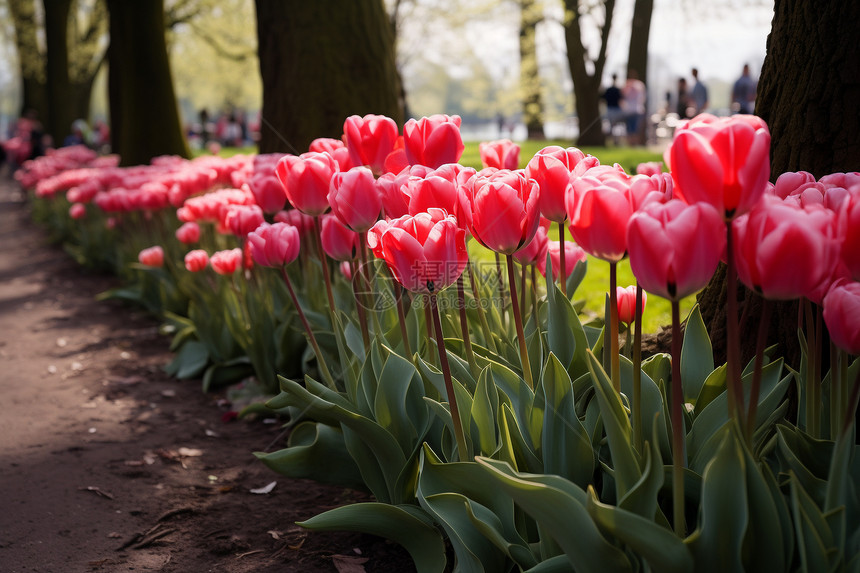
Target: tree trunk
pixel 321 62
pixel 812 44
pixel 143 103
pixel 637 54
pixel 531 13
pixel 60 118
pixel 586 86
pixel 31 63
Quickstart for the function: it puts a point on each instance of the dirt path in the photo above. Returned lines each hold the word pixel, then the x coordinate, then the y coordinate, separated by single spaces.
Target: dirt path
pixel 106 464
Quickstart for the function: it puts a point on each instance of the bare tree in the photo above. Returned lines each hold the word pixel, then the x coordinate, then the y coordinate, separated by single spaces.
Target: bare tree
pixel 531 14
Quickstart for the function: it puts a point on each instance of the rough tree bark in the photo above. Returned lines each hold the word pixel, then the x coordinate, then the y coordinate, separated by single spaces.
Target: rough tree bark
pixel 586 83
pixel 31 65
pixel 321 62
pixel 637 53
pixel 531 13
pixel 144 115
pixel 59 123
pixel 809 94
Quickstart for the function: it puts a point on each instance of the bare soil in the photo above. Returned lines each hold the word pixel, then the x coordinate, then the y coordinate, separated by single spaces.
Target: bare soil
pixel 107 464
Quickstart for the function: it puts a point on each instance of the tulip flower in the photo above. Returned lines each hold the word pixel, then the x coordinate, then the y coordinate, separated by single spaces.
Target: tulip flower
pixel 535 250
pixel 433 141
pixel 394 189
pixel 305 179
pixel 188 233
pixel 338 241
pixel 274 245
pixel 553 168
pixel 783 251
pixel 721 161
pixel 355 199
pixel 242 219
pixel 573 254
pixel 196 260
pixel 152 257
pixel 326 144
pixel 369 140
pixel 77 211
pixel 226 262
pixel 268 192
pixel 841 309
pixel 649 168
pixel 501 154
pixel 674 247
pixel 304 223
pixel 441 189
pixel 627 304
pixel 849 232
pixel 503 206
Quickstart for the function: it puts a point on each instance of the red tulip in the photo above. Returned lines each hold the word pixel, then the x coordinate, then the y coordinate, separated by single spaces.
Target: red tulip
pixel 305 179
pixel 841 309
pixel 647 188
pixel 650 168
pixel 426 252
pixel 573 254
pixel 242 219
pixel 226 262
pixel 849 233
pixel 394 189
pixel 268 192
pixel 152 257
pixel 196 260
pixel 674 247
pixel 433 141
pixel 273 245
pixel 501 154
pixel 77 211
pixel 783 251
pixel 721 161
pixel 535 251
pixel 627 303
pixel 355 199
pixel 188 233
pixel 395 162
pixel 338 241
pixel 502 209
pixel 369 140
pixel 553 168
pixel 304 223
pixel 327 144
pixel 600 203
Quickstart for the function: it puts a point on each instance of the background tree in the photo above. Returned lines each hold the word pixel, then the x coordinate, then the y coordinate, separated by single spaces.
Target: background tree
pixel 31 64
pixel 587 71
pixel 320 63
pixel 60 118
pixel 531 14
pixel 144 116
pixel 817 128
pixel 637 54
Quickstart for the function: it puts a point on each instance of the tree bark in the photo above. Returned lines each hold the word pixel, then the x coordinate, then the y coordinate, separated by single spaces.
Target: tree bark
pixel 321 62
pixel 60 118
pixel 586 86
pixel 637 54
pixel 809 94
pixel 531 13
pixel 144 115
pixel 31 63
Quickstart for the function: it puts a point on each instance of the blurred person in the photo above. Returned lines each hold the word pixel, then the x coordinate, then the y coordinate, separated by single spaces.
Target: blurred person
pixel 633 102
pixel 699 95
pixel 743 92
pixel 612 97
pixel 682 104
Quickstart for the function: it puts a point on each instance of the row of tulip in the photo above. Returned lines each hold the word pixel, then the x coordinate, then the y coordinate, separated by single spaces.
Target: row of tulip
pixel 486 417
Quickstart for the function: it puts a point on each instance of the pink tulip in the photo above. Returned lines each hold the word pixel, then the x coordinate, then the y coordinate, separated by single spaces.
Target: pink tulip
pixel 599 204
pixel 346 270
pixel 535 251
pixel 152 257
pixel 573 254
pixel 433 141
pixel 242 219
pixel 650 168
pixel 274 245
pixel 721 161
pixel 554 168
pixel 268 192
pixel 77 211
pixel 849 232
pixel 304 223
pixel 338 241
pixel 426 252
pixel 443 189
pixel 395 162
pixel 841 309
pixel 674 247
pixel 369 140
pixel 647 188
pixel 306 179
pixel 326 144
pixel 226 262
pixel 502 209
pixel 188 233
pixel 355 199
pixel 394 190
pixel 501 154
pixel 627 303
pixel 196 260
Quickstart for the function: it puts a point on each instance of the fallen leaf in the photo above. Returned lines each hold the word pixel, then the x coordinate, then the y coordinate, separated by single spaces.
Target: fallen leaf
pixel 348 564
pixel 265 489
pixel 275 534
pixel 190 452
pixel 212 434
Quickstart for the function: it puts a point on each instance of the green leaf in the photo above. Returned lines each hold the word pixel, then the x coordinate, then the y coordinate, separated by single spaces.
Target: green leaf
pixel 404 524
pixel 485 405
pixel 697 357
pixel 190 361
pixel 642 497
pixel 559 508
pixel 815 541
pixel 399 406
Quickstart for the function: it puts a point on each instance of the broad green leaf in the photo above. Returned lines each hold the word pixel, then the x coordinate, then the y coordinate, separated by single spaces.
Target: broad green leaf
pixel 560 316
pixel 485 405
pixel 190 361
pixel 405 524
pixel 815 541
pixel 399 406
pixel 557 564
pixel 714 386
pixel 559 507
pixel 642 497
pixel 697 358
pixel 807 458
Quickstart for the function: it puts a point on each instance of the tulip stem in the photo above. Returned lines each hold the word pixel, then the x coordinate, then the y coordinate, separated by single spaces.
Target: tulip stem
pixel 428 321
pixel 518 321
pixel 501 282
pixel 835 391
pixel 534 288
pixel 360 306
pixel 321 363
pixel 365 267
pixel 462 451
pixel 613 328
pixel 755 389
pixel 637 372
pixel 401 316
pixel 677 426
pixel 562 276
pixel 816 379
pixel 464 325
pixel 811 409
pixel 734 388
pixel 852 403
pixel 482 317
pixel 324 263
pixel 523 289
